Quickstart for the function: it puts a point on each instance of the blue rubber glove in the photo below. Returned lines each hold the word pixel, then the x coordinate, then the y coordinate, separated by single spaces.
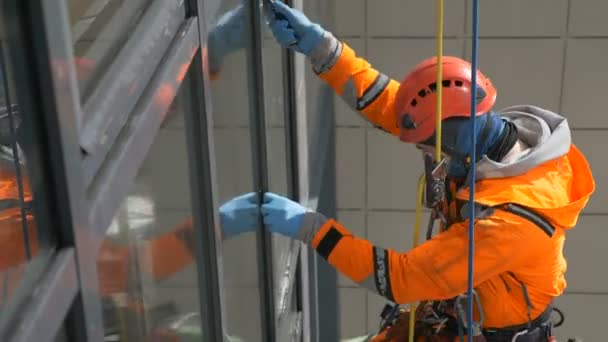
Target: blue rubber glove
pixel 282 215
pixel 294 30
pixel 240 214
pixel 226 36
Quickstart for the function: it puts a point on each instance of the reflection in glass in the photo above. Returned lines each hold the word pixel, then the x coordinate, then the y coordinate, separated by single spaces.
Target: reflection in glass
pixel 227 57
pixel 99 29
pixel 285 250
pixel 24 247
pixel 146 264
pixel 62 335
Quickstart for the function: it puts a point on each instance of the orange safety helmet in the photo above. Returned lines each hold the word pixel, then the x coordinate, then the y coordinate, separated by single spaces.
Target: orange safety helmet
pixel 416 100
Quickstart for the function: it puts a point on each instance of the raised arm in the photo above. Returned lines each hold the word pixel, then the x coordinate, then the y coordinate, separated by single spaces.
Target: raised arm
pixel 362 87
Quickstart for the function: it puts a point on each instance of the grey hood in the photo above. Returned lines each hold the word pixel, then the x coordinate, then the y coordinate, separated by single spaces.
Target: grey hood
pixel 546 133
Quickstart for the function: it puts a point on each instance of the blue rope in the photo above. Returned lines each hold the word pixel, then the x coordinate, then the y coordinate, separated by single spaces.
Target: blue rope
pixel 470 300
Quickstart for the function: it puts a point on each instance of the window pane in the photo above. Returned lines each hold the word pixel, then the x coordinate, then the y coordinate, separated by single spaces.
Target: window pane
pixel 285 250
pixel 230 94
pixel 99 29
pixel 147 262
pixel 25 244
pixel 62 335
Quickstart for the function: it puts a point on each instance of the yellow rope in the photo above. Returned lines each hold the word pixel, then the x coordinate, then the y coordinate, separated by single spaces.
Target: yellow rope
pixel 422 180
pixel 439 78
pixel 421 183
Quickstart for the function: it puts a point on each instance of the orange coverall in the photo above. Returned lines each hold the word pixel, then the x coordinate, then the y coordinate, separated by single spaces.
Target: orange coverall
pixel 509 250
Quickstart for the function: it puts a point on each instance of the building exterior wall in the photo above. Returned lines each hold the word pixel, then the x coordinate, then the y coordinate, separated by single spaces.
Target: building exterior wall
pixel 547 53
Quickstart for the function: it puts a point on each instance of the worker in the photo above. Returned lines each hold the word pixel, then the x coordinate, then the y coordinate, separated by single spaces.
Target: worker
pixel 532 184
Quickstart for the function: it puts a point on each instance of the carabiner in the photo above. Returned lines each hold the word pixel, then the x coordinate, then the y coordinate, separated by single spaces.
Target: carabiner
pixel 476 325
pixel 435 181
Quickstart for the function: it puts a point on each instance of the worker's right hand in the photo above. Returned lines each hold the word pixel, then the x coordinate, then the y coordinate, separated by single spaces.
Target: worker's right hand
pixel 294 30
pixel 240 215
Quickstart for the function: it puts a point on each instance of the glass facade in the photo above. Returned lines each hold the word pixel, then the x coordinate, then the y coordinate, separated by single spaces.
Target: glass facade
pixel 99 29
pixel 147 260
pixel 143 118
pixel 26 243
pixel 231 96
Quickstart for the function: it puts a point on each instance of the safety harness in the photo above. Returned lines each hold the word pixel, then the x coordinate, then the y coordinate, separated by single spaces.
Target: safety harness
pixel 448 317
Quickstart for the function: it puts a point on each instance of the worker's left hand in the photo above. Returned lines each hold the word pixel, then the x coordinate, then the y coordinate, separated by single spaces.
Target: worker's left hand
pixel 282 215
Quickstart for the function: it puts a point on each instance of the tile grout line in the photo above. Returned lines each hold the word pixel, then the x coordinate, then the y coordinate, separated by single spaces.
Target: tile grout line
pixel 565 38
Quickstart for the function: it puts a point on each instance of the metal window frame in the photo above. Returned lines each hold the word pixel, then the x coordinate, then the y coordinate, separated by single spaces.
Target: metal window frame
pixel 199 123
pixel 42 58
pixel 38 40
pixel 112 101
pixel 77 209
pixel 53 298
pixel 259 158
pixel 206 232
pixel 292 280
pixel 131 146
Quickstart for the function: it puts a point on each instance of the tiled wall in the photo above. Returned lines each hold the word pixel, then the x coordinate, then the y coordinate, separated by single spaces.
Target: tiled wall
pixel 549 53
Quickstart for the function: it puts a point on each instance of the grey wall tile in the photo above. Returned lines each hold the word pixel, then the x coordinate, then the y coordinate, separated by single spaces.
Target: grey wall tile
pixel 395 230
pixel 521 18
pixel 592 144
pixel 350 167
pixel 393 169
pixel 584 317
pixel 413 18
pixel 396 56
pixel 588 17
pixel 350 17
pixel 524 71
pixel 585 83
pixel 348 117
pixel 354 221
pixel 375 303
pixel 353 313
pixel 585 251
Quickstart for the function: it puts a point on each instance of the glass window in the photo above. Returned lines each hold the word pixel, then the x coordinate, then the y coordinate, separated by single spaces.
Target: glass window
pixel 146 264
pixel 62 335
pixel 230 95
pixel 99 29
pixel 285 250
pixel 24 245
